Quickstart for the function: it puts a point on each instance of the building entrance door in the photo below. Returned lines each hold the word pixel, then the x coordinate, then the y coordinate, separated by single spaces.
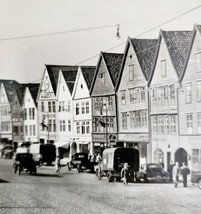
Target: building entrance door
pixel 181 156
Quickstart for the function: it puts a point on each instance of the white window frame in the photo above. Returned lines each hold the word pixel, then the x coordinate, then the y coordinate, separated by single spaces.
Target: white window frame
pixel 189 123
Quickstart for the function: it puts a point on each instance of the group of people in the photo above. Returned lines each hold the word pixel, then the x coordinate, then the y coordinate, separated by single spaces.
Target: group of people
pixel 175 171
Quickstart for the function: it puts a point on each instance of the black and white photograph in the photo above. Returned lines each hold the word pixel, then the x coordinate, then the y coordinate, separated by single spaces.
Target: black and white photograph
pixel 100 106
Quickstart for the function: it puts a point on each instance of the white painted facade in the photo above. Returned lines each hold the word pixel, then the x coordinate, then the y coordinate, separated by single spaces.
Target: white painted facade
pixel 30 118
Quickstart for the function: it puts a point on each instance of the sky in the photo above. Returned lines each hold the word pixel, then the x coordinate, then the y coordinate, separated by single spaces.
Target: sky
pixel 24 52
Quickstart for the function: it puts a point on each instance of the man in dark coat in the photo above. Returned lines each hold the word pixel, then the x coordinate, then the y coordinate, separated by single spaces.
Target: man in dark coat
pixel 170 167
pixel 184 171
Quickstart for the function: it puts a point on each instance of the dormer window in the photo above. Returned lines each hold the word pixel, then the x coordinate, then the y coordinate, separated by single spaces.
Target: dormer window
pixel 163 68
pixel 131 72
pixel 198 62
pixel 102 77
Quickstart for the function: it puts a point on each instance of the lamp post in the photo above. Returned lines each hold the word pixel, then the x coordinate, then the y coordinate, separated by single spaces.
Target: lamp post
pixel 106 126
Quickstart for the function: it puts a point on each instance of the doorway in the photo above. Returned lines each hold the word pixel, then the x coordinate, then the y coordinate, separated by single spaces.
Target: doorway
pixel 181 156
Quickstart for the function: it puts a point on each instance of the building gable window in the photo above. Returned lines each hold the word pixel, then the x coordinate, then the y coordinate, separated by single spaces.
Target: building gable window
pixel 131 72
pixel 123 97
pixel 198 90
pixel 188 92
pixel 124 120
pixel 163 68
pixel 69 126
pixel 199 122
pixel 198 62
pixel 102 77
pixel 189 123
pixel 77 108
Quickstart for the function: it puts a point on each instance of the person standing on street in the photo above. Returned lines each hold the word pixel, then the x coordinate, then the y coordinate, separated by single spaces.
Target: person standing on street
pixel 124 174
pixel 184 171
pixel 170 167
pixel 57 164
pixel 175 174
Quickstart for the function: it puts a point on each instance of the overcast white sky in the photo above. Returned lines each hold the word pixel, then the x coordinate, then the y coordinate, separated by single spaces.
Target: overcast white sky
pixel 24 59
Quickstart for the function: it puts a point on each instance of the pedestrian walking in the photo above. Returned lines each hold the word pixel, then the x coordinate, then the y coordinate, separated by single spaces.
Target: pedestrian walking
pixel 124 174
pixel 170 168
pixel 57 164
pixel 161 162
pixel 175 174
pixel 184 171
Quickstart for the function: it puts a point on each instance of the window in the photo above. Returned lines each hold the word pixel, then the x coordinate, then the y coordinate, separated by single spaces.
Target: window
pixel 123 97
pixel 78 127
pixel 144 118
pixel 96 103
pixel 53 106
pixel 131 72
pixel 5 126
pixel 198 90
pixel 62 125
pixel 69 125
pixel 77 108
pixel 69 106
pixel 173 124
pixel 61 106
pixel 163 68
pixel 87 107
pixel 54 125
pixel 50 125
pixel 26 130
pixel 196 155
pixel 199 122
pixel 25 114
pixel 189 123
pixel 31 113
pixel 155 124
pixel 102 77
pixel 188 92
pixel 124 120
pixel 166 124
pixel 34 130
pixel 42 107
pixel 132 119
pixel 83 127
pixel 87 127
pixel 131 95
pixel 172 95
pixel 49 107
pixel 198 62
pixel 83 107
pixel 110 103
pixel 30 129
pixel 160 125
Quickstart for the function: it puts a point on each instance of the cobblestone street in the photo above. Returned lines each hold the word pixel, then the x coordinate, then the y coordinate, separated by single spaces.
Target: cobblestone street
pixel 70 192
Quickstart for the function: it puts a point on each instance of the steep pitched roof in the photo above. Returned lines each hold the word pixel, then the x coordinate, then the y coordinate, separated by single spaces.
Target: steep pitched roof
pixel 178 43
pixel 10 87
pixel 33 88
pixel 88 73
pixel 53 71
pixel 69 74
pixel 113 62
pixel 20 91
pixel 145 50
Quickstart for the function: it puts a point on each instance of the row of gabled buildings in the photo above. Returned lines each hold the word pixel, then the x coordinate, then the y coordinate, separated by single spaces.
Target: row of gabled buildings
pixel 149 97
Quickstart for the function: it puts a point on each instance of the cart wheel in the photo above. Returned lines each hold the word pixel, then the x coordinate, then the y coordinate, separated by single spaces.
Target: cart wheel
pixel 110 178
pixel 78 168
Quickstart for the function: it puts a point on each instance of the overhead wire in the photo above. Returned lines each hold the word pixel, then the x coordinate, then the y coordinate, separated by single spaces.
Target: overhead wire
pixel 113 47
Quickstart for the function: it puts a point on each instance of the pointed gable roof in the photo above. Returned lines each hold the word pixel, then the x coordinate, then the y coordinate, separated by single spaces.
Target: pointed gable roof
pixel 199 28
pixel 33 88
pixel 70 73
pixel 88 74
pixel 53 71
pixel 20 92
pixel 178 43
pixel 145 50
pixel 10 87
pixel 113 62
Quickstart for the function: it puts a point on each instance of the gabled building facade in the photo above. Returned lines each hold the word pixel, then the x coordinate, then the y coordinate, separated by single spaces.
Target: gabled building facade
pixel 190 102
pixel 82 114
pixel 6 98
pixel 47 105
pixel 132 95
pixel 30 112
pixel 102 92
pixel 163 85
pixel 65 142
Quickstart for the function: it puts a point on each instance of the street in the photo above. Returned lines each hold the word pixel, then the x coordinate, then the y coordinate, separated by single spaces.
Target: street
pixel 72 192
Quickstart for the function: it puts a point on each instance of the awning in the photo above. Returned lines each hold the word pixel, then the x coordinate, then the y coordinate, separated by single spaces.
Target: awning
pixel 62 144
